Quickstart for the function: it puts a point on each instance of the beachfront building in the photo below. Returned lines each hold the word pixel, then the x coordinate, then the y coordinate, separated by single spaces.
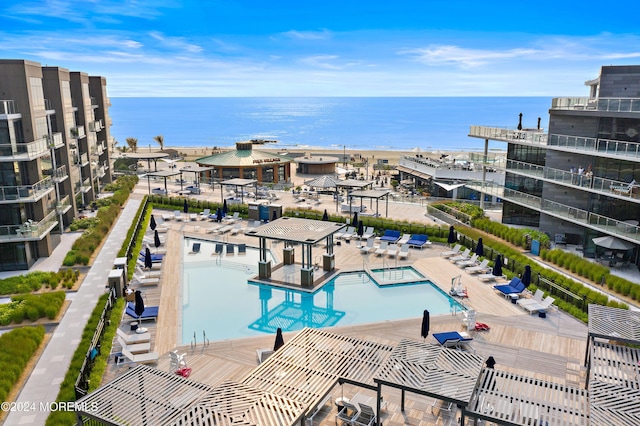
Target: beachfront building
pixel 54 129
pixel 578 181
pixel 446 178
pixel 246 163
pixel 316 164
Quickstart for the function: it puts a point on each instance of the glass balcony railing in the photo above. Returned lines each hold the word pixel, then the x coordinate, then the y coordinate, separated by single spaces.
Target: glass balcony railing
pixel 77 132
pixel 101 172
pixel 58 141
pixel 84 159
pixel 63 205
pixel 26 193
pixel 95 126
pixel 509 135
pixel 30 230
pixel 8 107
pixel 597 104
pixel 490 160
pixel 24 151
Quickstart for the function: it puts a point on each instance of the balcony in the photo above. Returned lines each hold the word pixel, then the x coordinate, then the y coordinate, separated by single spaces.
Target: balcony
pixel 101 172
pixel 95 126
pixel 63 205
pixel 30 230
pixel 84 186
pixel 8 107
pixel 59 174
pixel 77 132
pixel 24 151
pixel 597 104
pixel 505 134
pixel 84 159
pixel 497 161
pixel 58 141
pixel 26 193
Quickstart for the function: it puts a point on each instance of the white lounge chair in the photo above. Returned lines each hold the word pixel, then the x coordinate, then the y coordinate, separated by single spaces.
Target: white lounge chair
pixel 146 274
pixel 382 249
pixel 539 307
pixel 167 216
pixel 236 229
pixel 368 232
pixel 162 229
pixel 232 219
pixel 193 216
pixel 204 214
pixel 404 252
pixel 393 250
pixel 487 277
pixel 147 358
pixel 464 256
pixel 135 348
pixel 537 298
pixel 224 229
pixel 130 339
pixel 455 251
pixel 155 266
pixel 349 233
pixel 469 262
pixel 177 215
pixel 369 247
pixel 405 238
pixel 482 267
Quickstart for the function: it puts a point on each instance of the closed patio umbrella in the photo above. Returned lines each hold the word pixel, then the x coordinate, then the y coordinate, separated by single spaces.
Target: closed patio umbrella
pixel 497 267
pixel 360 229
pixel 185 207
pixel 452 235
pixel 480 247
pixel 219 215
pixel 355 220
pixel 139 306
pixel 156 239
pixel 225 209
pixel 279 340
pixel 325 216
pixel 147 258
pixel 526 276
pixel 152 223
pixel 424 330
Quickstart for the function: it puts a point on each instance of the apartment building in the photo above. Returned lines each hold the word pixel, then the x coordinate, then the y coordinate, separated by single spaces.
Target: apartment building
pixel 54 135
pixel 578 179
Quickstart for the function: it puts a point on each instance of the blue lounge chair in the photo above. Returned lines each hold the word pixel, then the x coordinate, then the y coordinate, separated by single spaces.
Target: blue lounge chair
pixel 452 339
pixel 515 286
pixel 418 240
pixel 390 236
pixel 150 312
pixel 154 257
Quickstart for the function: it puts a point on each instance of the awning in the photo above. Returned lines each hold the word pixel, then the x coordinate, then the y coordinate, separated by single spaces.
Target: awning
pixel 447 187
pixel 415 173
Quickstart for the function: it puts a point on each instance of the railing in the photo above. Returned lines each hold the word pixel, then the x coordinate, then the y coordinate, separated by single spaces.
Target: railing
pixel 84 159
pixel 509 134
pixel 58 141
pixel 26 193
pixel 63 205
pixel 8 107
pixel 101 172
pixel 31 230
pixel 82 382
pixel 77 132
pixel 597 104
pixel 60 174
pixel 25 151
pixel 95 126
pixel 490 160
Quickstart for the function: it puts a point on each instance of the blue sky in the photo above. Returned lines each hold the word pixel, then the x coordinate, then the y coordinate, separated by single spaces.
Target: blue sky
pixel 326 48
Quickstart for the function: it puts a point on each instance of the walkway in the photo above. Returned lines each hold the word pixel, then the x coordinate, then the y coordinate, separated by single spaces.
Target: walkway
pixel 43 384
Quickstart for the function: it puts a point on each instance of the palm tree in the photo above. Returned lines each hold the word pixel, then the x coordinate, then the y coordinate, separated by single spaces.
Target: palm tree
pixel 160 140
pixel 123 149
pixel 133 144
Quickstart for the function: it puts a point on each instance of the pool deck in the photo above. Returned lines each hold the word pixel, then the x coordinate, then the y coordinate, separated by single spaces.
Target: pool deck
pixel 550 348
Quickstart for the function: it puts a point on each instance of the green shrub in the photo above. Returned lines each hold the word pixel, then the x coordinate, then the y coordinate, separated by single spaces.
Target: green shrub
pixel 16 348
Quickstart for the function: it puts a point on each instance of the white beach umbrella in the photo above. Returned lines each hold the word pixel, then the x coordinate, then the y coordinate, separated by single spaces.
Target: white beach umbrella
pixel 612 243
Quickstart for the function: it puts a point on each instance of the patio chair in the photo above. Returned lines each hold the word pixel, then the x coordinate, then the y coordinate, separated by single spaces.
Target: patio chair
pixel 236 229
pixel 149 313
pixel 368 232
pixel 482 267
pixel 382 249
pixel 131 339
pixel 177 215
pixel 453 252
pixel 348 233
pixel 393 250
pixel 146 274
pixel 224 229
pixel 147 358
pixel 453 339
pixel 193 216
pixel 419 241
pixel 204 215
pixel 487 277
pixel 145 281
pixel 404 252
pixel 469 262
pixel 539 307
pixel 390 236
pixel 369 247
pixel 623 189
pixel 464 256
pixel 167 216
pixel 232 219
pixel 537 298
pixel 515 286
pixel 154 266
pixel 135 348
pixel 348 413
pixel 405 238
pixel 366 417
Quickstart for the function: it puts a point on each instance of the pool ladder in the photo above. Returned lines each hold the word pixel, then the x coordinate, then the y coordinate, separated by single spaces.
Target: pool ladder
pixel 205 340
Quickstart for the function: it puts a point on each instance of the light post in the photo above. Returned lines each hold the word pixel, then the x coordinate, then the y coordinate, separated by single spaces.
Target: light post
pixel 344 156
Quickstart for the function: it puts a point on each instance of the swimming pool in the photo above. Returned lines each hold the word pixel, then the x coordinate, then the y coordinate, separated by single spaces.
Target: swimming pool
pixel 218 298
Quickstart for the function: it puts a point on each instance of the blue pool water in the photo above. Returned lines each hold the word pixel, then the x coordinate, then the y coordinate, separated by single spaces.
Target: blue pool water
pixel 218 299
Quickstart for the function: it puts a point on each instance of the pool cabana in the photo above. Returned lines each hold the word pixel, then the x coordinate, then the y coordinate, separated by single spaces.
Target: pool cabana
pixel 161 174
pixel 197 171
pixel 352 185
pixel 307 233
pixel 373 194
pixel 238 183
pixel 149 157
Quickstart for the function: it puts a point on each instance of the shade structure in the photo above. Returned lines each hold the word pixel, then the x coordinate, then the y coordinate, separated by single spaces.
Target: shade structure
pixel 152 223
pixel 360 229
pixel 480 247
pixel 612 243
pixel 148 263
pixel 424 330
pixel 139 306
pixel 156 239
pixel 526 276
pixel 325 216
pixel 225 209
pixel 452 235
pixel 279 340
pixel 497 267
pixel 185 207
pixel 323 182
pixel 355 220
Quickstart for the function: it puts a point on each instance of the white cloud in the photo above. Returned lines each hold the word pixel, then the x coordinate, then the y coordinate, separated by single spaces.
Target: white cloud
pixel 176 42
pixel 307 35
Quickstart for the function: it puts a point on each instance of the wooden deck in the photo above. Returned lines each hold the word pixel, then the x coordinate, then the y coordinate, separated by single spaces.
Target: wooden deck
pixel 550 348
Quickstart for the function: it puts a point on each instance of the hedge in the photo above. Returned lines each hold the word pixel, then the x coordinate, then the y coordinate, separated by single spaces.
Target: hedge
pixel 34 281
pixel 31 307
pixel 16 350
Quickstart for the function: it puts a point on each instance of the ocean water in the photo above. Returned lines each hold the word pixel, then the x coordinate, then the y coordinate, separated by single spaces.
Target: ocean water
pixel 425 123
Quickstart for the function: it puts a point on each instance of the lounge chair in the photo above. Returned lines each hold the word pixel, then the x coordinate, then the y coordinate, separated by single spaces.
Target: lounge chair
pixel 162 229
pixel 134 348
pixel 350 232
pixel 231 250
pixel 213 229
pixel 195 248
pixel 155 258
pixel 177 215
pixel 464 256
pixel 131 339
pixel 149 313
pixel 167 216
pixel 224 229
pixel 453 339
pixel 141 281
pixel 393 250
pixel 482 267
pixel 404 252
pixel 623 189
pixel 515 286
pixel 419 240
pixel 390 236
pixel 454 252
pixel 539 307
pixel 366 416
pixel 473 261
pixel 369 247
pixel 149 357
pixel 146 274
pixel 204 215
pixel 368 232
pixel 348 413
pixel 236 229
pixel 193 216
pixel 242 249
pixel 382 249
pixel 488 277
pixel 154 266
pixel 405 238
pixel 537 298
pixel 232 219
